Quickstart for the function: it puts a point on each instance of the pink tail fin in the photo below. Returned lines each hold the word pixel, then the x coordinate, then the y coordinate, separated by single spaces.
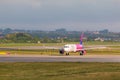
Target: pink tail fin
pixel 81 38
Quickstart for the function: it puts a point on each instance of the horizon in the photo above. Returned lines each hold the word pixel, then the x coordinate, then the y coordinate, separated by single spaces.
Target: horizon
pixel 57 29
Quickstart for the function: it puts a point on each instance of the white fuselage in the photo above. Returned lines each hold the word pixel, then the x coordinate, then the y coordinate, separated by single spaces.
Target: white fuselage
pixel 72 47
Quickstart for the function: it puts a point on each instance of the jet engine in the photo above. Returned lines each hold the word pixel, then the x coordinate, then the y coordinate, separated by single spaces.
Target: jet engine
pixel 61 51
pixel 82 52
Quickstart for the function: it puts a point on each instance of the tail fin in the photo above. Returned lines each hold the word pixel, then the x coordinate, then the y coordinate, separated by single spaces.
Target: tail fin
pixel 81 37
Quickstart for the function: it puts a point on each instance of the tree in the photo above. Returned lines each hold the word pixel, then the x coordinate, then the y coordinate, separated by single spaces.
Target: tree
pixel 19 37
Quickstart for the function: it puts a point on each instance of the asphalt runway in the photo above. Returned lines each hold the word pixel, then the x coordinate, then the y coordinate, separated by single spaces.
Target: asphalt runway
pixel 38 58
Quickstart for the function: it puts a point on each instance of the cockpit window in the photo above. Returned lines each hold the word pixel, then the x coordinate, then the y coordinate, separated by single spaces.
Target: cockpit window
pixel 66 46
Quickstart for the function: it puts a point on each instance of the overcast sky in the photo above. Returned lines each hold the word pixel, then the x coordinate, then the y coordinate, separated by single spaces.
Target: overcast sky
pixel 53 14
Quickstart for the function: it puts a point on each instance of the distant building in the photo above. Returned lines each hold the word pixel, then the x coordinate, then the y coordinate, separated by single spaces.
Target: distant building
pixel 96 32
pixel 99 39
pixel 105 31
pixel 61 30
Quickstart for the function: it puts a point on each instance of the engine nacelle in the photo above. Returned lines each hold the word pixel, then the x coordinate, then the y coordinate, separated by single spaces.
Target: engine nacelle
pixel 82 52
pixel 61 51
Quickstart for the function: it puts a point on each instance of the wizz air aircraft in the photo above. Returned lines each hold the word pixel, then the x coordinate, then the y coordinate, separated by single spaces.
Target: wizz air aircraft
pixel 73 48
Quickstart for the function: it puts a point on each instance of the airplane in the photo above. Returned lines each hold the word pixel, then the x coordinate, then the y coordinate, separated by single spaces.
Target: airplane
pixel 73 48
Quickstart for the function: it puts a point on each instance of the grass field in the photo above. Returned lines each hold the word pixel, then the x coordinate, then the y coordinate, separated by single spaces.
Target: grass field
pixel 59 71
pixel 106 51
pixel 58 44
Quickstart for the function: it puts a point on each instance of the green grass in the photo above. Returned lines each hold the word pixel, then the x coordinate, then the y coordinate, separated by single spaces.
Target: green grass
pixel 103 52
pixel 35 52
pixel 88 43
pixel 101 43
pixel 30 44
pixel 115 46
pixel 59 71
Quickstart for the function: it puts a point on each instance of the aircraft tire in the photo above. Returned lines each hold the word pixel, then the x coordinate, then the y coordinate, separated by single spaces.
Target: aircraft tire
pixel 81 53
pixel 67 53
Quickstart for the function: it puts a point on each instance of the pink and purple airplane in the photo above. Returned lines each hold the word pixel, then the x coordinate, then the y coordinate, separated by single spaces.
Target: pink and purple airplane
pixel 73 48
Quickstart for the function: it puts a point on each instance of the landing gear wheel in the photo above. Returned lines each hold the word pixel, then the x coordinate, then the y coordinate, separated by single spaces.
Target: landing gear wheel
pixel 81 53
pixel 67 53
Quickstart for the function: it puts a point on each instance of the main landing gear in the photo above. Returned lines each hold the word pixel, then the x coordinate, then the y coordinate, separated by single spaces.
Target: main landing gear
pixel 81 53
pixel 67 53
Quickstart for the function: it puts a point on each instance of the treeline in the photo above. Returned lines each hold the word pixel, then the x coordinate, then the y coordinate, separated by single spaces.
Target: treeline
pixel 58 36
pixel 18 38
pixel 27 38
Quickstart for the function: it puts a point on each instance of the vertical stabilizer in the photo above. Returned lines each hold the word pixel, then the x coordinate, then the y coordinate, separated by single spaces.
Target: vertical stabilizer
pixel 81 37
